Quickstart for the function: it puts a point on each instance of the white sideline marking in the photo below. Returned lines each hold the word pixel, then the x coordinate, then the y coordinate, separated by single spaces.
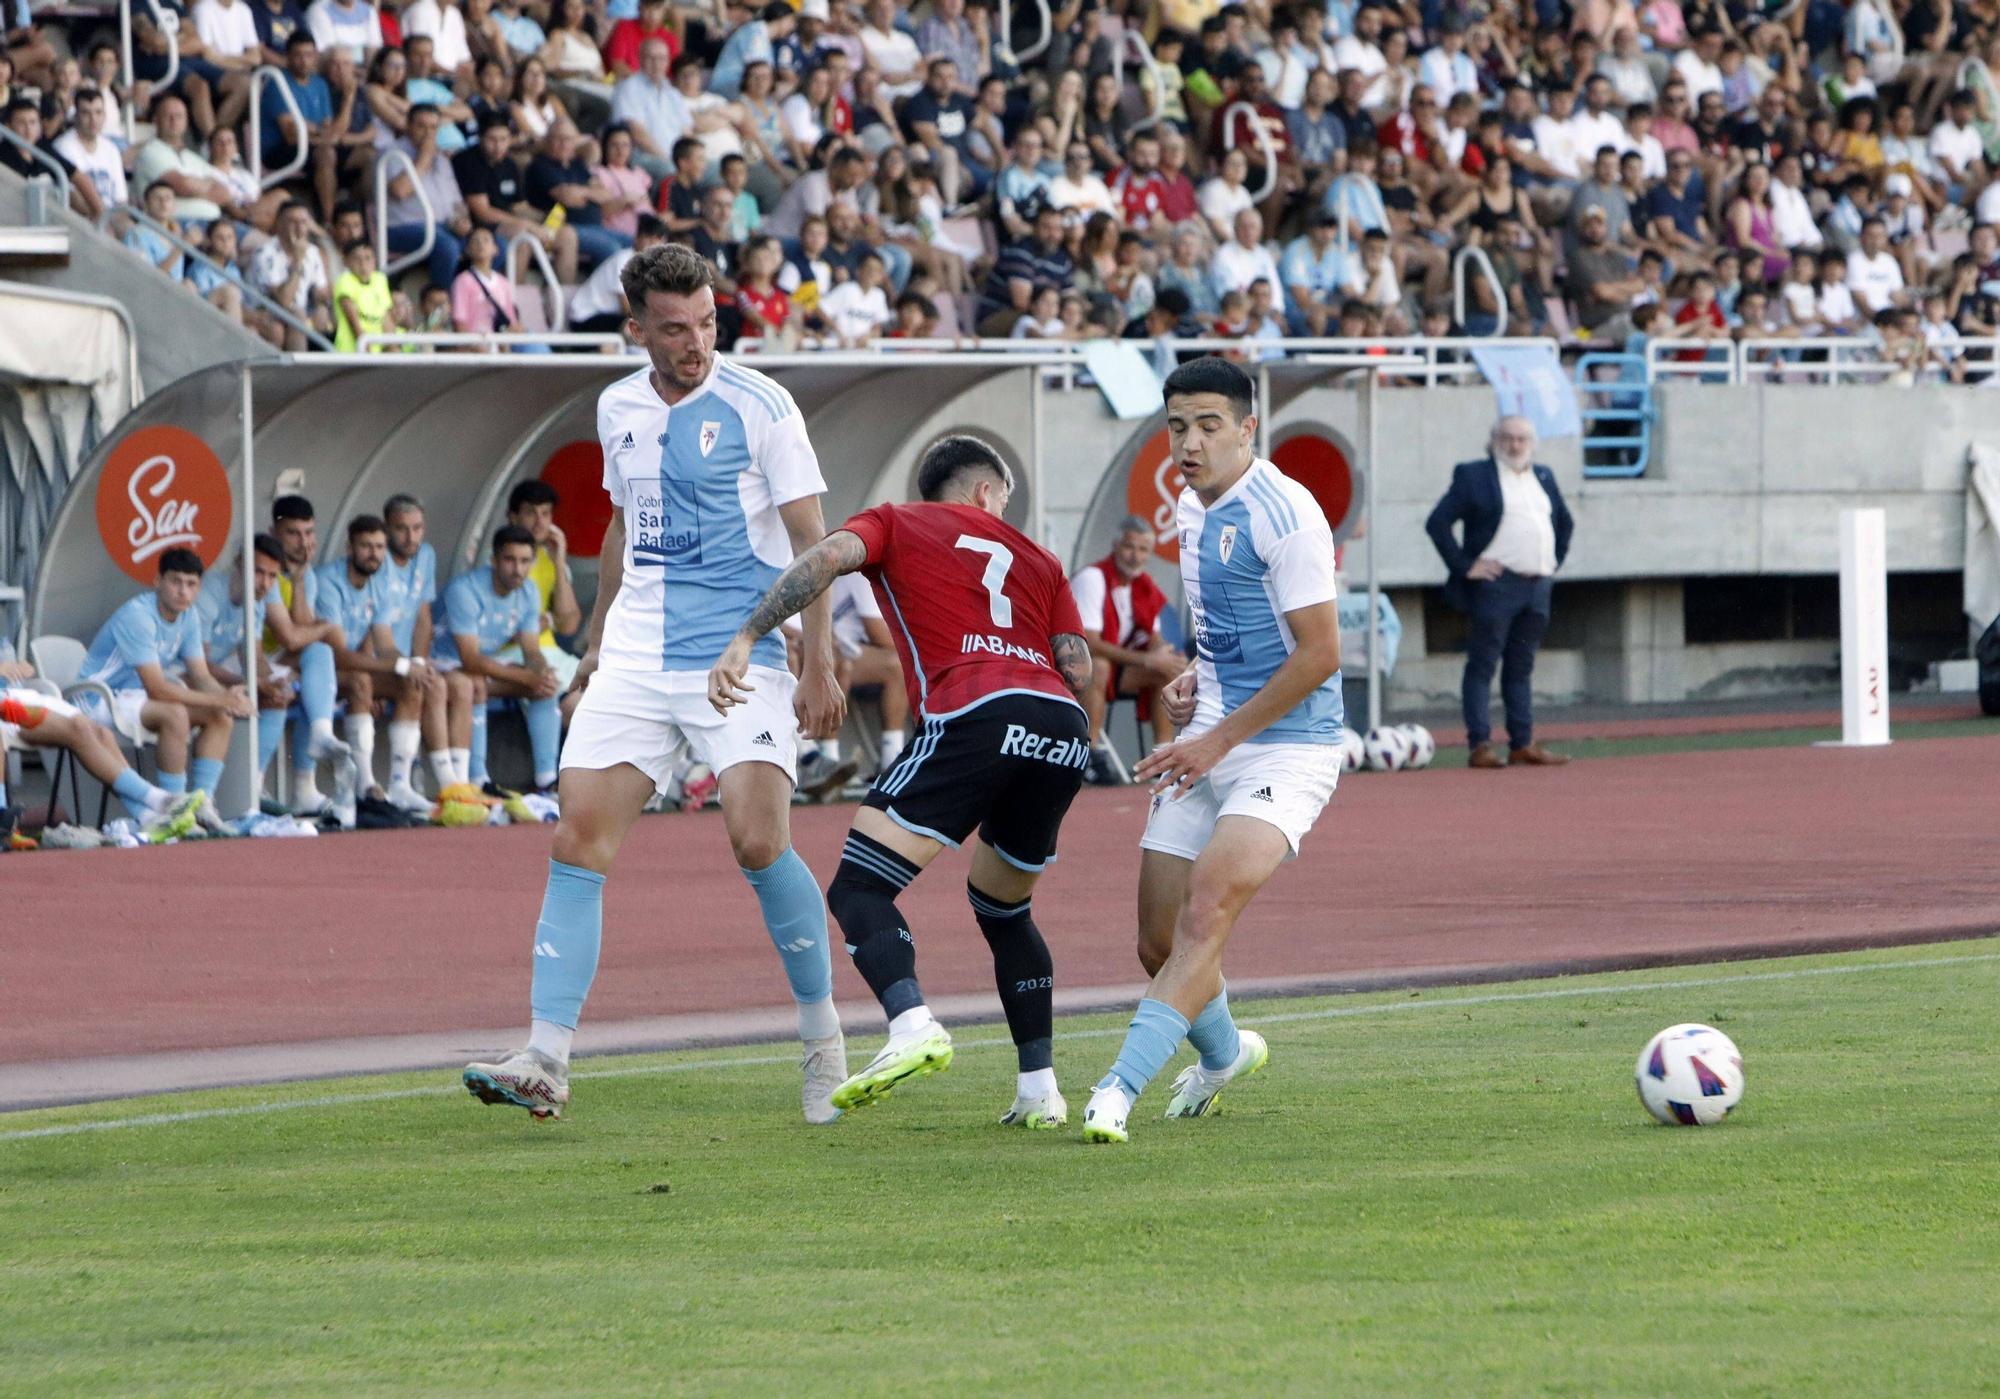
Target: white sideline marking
pixel 160 1119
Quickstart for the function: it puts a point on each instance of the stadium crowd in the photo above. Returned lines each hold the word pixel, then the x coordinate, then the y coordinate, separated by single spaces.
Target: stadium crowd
pixel 1694 169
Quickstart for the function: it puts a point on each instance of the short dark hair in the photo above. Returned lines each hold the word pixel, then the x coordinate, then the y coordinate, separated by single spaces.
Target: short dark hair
pixel 300 38
pixel 511 534
pixel 420 108
pixel 495 119
pixel 88 94
pixel 685 146
pixel 365 524
pixel 157 184
pixel 401 503
pixel 952 457
pixel 180 561
pixel 673 268
pixel 354 245
pixel 1212 374
pixel 1174 302
pixel 651 226
pixel 262 543
pixel 732 159
pixel 530 493
pixel 291 507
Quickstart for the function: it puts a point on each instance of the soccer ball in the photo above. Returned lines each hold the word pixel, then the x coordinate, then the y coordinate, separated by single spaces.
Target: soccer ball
pixel 1422 746
pixel 1353 752
pixel 1690 1076
pixel 1387 749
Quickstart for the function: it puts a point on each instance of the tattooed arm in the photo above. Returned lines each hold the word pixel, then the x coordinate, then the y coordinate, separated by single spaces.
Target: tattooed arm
pixel 1073 661
pixel 797 588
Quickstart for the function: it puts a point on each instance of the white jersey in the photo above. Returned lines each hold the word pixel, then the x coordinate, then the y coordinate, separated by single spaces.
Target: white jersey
pixel 1262 550
pixel 853 605
pixel 700 485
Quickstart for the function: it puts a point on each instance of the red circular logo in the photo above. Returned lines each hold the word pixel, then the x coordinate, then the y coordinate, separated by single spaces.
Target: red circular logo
pixel 1153 483
pixel 583 510
pixel 162 488
pixel 1318 463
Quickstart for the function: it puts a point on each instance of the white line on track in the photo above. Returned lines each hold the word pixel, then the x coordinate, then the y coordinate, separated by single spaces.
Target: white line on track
pixel 336 1100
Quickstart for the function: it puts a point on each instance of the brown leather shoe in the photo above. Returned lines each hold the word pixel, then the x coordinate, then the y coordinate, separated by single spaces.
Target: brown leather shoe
pixel 1484 756
pixel 1534 755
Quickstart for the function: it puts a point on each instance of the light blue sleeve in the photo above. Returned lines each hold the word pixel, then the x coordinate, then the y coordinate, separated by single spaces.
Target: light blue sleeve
pixel 528 612
pixel 190 636
pixel 134 637
pixel 461 608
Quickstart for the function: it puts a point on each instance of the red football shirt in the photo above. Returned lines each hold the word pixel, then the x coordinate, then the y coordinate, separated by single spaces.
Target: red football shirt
pixel 972 602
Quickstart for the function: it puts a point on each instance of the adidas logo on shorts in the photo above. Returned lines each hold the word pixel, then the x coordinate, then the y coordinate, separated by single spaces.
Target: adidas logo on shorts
pixel 628 442
pixel 1262 794
pixel 765 739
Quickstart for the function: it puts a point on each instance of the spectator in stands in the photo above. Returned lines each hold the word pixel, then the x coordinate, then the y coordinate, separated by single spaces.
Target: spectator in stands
pixel 482 299
pixel 488 611
pixel 327 115
pixel 441 23
pixel 859 308
pixel 24 119
pixel 680 197
pixel 1603 280
pixel 1022 188
pixel 534 108
pixel 361 299
pixel 490 184
pixel 1244 258
pixel 1080 191
pixel 222 285
pixel 711 237
pixel 1121 606
pixel 1874 276
pixel 406 216
pixel 652 108
pixel 624 49
pixel 150 655
pixel 231 46
pixel 940 117
pixel 352 25
pixel 289 269
pixel 625 192
pixel 199 189
pixel 754 41
pixel 157 246
pixel 1314 270
pixel 1225 195
pixel 598 306
pixel 1040 260
pixel 1752 226
pixel 91 153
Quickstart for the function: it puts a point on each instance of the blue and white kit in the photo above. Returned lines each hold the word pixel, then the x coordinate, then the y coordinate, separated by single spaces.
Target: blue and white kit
pixel 700 485
pixel 405 589
pixel 1262 550
pixel 473 607
pixel 135 635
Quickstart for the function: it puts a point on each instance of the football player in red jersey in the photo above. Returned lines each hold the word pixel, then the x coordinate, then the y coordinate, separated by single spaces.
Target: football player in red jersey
pixel 994 657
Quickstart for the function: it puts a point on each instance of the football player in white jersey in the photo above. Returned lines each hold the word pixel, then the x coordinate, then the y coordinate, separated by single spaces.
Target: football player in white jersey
pixel 1238 790
pixel 713 487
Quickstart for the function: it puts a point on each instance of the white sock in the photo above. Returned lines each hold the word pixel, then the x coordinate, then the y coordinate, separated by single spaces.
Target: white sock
pixel 461 764
pixel 547 1037
pixel 443 768
pixel 361 738
pixel 818 1020
pixel 830 749
pixel 892 746
pixel 406 736
pixel 911 1022
pixel 305 783
pixel 1035 1083
pixel 545 779
pixel 320 734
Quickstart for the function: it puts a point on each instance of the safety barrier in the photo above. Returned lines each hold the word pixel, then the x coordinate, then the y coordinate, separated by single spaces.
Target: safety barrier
pixel 1265 147
pixel 173 38
pixel 394 156
pixel 256 136
pixel 551 288
pixel 497 340
pixel 1471 255
pixel 1004 31
pixel 1624 402
pixel 1795 359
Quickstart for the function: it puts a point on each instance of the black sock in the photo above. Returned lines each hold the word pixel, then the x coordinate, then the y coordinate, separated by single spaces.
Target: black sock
pixel 862 899
pixel 1024 973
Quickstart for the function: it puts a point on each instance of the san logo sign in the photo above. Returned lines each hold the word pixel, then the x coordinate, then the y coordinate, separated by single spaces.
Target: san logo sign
pixel 162 488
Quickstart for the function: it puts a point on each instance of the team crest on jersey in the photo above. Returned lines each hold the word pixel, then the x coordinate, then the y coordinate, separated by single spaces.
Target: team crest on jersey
pixel 1227 543
pixel 710 431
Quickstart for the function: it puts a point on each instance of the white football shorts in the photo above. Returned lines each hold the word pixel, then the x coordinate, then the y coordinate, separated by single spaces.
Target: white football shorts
pixel 649 718
pixel 1286 785
pixel 124 714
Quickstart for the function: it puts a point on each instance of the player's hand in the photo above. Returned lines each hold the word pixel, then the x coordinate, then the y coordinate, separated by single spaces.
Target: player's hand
pixel 1484 570
pixel 547 684
pixel 558 543
pixel 274 694
pixel 1178 697
pixel 1172 769
pixel 726 685
pixel 821 702
pixel 237 703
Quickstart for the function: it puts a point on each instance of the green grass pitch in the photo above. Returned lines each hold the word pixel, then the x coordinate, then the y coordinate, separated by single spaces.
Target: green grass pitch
pixel 1452 1192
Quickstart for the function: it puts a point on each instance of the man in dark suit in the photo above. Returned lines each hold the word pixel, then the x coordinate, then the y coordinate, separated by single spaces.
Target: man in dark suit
pixel 1516 533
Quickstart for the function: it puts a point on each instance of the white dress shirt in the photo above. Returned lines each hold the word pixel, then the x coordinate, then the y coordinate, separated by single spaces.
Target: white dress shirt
pixel 1525 543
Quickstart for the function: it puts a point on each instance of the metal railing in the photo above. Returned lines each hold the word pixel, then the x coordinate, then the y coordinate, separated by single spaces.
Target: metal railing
pixel 1470 255
pixel 256 136
pixel 1265 146
pixel 396 155
pixel 551 288
pixel 56 173
pixel 495 340
pixel 173 38
pixel 1131 39
pixel 1626 403
pixel 1825 359
pixel 251 295
pixel 1005 32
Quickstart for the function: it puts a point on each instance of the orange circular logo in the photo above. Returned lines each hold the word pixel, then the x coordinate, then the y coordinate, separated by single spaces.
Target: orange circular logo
pixel 1153 488
pixel 583 510
pixel 162 488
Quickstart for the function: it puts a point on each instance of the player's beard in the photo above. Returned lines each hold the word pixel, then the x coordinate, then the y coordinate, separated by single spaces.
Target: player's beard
pixel 675 374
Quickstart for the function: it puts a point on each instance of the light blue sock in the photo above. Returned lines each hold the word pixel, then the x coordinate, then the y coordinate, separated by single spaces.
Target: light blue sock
pixel 544 738
pixel 172 783
pixel 795 916
pixel 476 773
pixel 1214 1033
pixel 270 733
pixel 316 681
pixel 133 790
pixel 567 938
pixel 204 773
pixel 1157 1031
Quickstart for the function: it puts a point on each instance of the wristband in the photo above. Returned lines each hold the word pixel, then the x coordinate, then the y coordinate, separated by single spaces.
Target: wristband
pixel 402 666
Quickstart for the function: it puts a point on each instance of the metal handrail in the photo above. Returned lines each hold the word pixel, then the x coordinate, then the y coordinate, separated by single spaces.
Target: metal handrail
pixel 396 155
pixel 1269 150
pixel 298 162
pixel 447 339
pixel 1618 400
pixel 173 37
pixel 551 288
pixel 1130 38
pixel 1849 356
pixel 250 293
pixel 53 165
pixel 1005 30
pixel 1664 360
pixel 1471 254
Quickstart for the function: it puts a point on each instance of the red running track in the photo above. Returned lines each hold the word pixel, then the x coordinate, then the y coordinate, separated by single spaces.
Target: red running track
pixel 1642 859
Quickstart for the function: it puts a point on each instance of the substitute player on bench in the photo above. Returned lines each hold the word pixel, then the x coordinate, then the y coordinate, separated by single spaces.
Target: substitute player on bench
pixel 993 648
pixel 713 487
pixel 1242 785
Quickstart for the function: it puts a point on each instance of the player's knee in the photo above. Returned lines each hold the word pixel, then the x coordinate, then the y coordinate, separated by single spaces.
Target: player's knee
pixel 862 903
pixel 1154 951
pixel 757 850
pixel 361 691
pixel 583 844
pixel 218 723
pixel 172 722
